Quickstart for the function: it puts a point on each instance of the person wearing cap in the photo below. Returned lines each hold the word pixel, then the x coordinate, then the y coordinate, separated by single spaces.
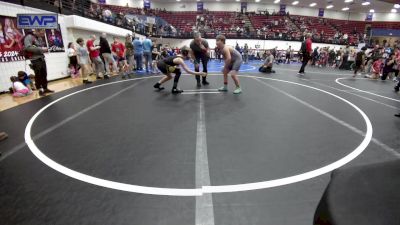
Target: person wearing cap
pixel 173 64
pixel 200 52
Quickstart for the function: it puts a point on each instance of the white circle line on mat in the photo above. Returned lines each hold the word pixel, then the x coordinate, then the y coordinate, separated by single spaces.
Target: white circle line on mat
pixel 371 93
pixel 205 189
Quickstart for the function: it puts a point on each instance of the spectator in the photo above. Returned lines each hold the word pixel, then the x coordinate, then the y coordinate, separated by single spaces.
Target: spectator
pixel 106 53
pixel 147 53
pixel 138 46
pixel 26 80
pixel 246 53
pixel 84 60
pixel 18 88
pixel 129 52
pixel 94 53
pixel 73 63
pixel 118 50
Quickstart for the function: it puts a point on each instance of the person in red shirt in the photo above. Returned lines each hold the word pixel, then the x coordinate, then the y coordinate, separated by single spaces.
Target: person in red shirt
pixel 306 50
pixel 94 54
pixel 118 50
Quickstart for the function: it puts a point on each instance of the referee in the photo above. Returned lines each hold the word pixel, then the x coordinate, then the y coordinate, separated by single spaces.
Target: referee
pixel 200 53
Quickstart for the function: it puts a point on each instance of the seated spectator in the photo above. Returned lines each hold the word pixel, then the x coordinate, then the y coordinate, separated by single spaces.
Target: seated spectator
pixel 26 80
pixel 269 61
pixel 18 88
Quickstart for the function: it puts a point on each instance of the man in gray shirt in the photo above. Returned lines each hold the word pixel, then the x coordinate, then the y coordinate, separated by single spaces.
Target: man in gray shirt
pixel 38 64
pixel 269 62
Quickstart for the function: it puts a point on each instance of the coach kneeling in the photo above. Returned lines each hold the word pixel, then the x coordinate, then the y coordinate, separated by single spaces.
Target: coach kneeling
pixel 269 62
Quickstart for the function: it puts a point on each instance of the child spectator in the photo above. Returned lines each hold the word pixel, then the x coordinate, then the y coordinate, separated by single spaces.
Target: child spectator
pixel 73 62
pixel 26 80
pixel 18 88
pixel 376 69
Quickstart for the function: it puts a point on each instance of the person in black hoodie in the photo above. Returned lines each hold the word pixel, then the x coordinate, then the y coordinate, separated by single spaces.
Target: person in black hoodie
pixel 106 53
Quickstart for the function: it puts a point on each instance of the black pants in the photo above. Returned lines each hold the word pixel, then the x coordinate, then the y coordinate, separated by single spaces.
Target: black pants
pixel 39 67
pixel 204 60
pixel 306 58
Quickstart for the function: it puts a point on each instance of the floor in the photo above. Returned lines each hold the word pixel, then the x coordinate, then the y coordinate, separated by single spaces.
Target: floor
pixel 118 152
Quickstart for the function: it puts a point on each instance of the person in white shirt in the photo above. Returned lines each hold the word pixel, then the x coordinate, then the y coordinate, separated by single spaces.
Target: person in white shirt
pixel 73 61
pixel 19 89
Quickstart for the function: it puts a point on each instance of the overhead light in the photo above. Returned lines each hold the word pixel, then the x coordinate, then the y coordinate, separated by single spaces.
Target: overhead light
pixel 329 6
pixel 371 10
pixel 394 11
pixel 348 1
pixel 178 0
pixel 345 8
pixel 295 3
pixel 238 0
pixel 313 4
pixel 365 3
pixel 397 6
pixel 257 0
pixel 277 1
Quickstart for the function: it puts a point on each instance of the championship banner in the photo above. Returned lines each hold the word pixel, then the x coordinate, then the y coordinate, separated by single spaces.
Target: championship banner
pixel 11 39
pixel 54 40
pixel 282 9
pixel 321 12
pixel 102 2
pixel 200 6
pixel 369 17
pixel 243 6
pixel 146 4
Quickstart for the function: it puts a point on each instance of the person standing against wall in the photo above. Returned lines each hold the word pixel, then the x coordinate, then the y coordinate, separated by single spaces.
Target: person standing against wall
pixel 129 53
pixel 246 54
pixel 200 51
pixel 105 51
pixel 138 46
pixel 94 54
pixel 147 53
pixel 38 63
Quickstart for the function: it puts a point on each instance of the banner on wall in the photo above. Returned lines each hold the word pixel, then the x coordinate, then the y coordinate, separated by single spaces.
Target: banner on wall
pixel 321 12
pixel 147 4
pixel 54 40
pixel 11 39
pixel 243 6
pixel 200 6
pixel 102 1
pixel 282 9
pixel 369 17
